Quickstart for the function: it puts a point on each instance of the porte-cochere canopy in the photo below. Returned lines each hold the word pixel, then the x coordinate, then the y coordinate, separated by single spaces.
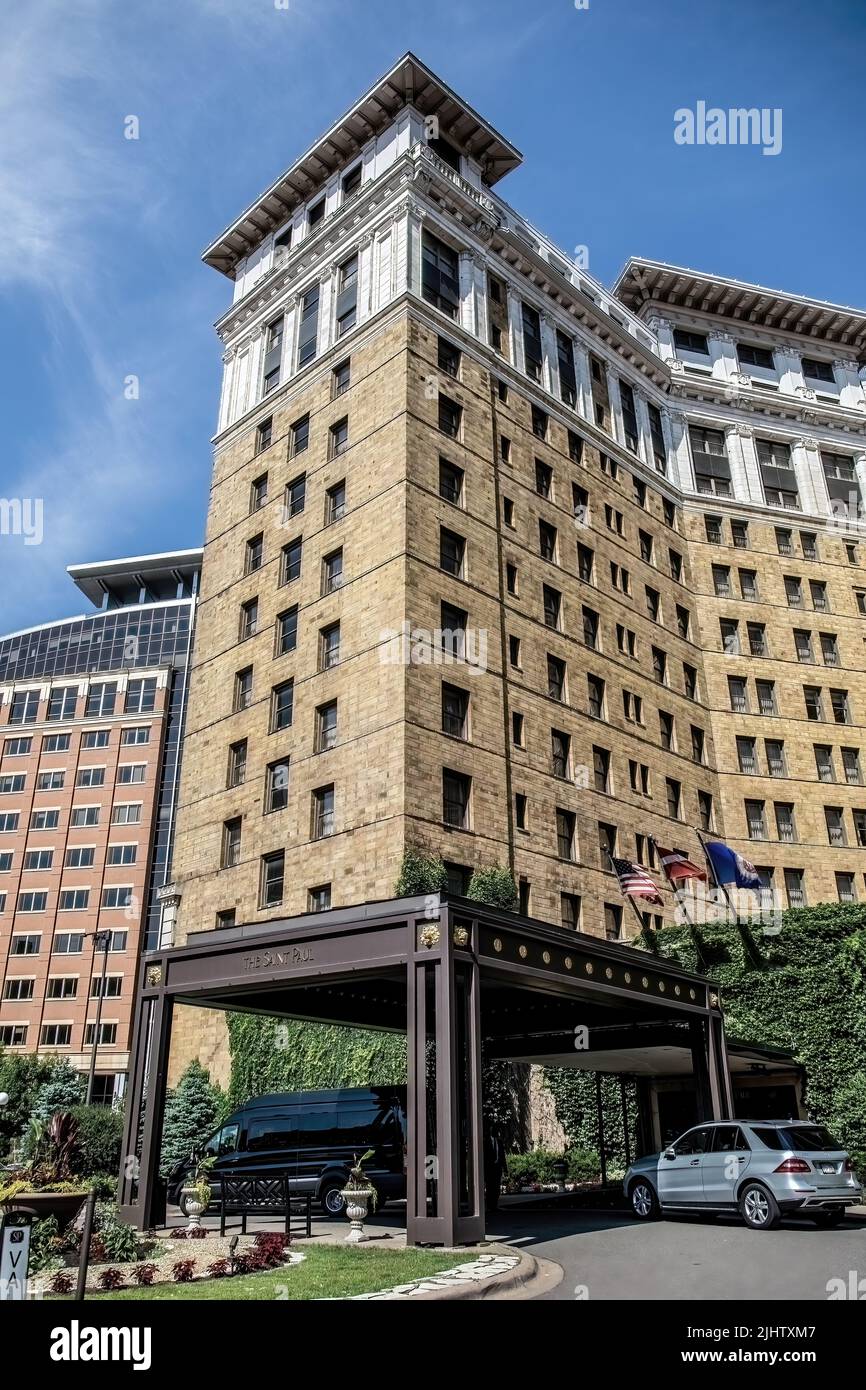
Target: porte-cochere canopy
pixel 448 972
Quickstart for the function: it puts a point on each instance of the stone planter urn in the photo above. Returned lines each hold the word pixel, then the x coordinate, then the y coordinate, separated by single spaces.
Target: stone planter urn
pixel 193 1207
pixel 357 1200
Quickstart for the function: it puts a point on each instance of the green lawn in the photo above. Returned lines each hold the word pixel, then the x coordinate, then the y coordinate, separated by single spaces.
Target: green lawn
pixel 329 1271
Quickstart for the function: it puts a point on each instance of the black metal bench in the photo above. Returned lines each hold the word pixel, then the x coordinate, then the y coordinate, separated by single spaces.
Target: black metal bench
pixel 251 1194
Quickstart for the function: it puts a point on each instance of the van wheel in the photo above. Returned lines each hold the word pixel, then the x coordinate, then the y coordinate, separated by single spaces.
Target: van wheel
pixel 182 1204
pixel 759 1208
pixel 331 1199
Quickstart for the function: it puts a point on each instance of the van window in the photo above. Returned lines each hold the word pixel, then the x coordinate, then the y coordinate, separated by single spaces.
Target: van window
pixel 367 1125
pixel 272 1132
pixel 318 1125
pixel 225 1141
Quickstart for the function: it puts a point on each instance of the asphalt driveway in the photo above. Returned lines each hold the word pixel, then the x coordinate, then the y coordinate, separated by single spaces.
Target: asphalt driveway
pixel 610 1255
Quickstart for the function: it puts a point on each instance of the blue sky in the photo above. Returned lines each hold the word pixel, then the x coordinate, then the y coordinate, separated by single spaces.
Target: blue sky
pixel 100 276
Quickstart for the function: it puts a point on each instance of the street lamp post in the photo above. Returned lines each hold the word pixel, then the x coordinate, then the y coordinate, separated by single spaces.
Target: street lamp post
pixel 102 939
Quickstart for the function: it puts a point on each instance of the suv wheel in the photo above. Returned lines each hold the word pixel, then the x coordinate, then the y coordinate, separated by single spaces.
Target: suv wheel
pixel 331 1198
pixel 644 1202
pixel 759 1208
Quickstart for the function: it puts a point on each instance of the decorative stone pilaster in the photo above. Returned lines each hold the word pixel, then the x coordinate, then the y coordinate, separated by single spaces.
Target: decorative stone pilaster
pixel 479 271
pixel 754 488
pixel 584 381
pixel 790 365
pixel 663 330
pixel 646 448
pixel 515 327
pixel 739 473
pixel 847 374
pixel 466 281
pixel 806 461
pixel 682 457
pixel 723 354
pixel 615 406
pixel 550 369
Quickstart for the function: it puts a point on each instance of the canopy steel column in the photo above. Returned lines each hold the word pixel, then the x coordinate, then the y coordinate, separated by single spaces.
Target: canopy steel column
pixel 445 1165
pixel 139 1195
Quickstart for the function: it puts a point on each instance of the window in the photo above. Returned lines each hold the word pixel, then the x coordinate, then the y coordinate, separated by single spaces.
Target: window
pixel 249 619
pixel 273 355
pixel 126 813
pixel 686 341
pixel 237 769
pixel 332 572
pixel 287 631
pixel 440 280
pixel 629 416
pixel 683 621
pixel 675 564
pixel 803 645
pixel 835 825
pixel 231 843
pixel 747 758
pixel 814 705
pixel 351 182
pixel 777 474
pixel 595 696
pixel 277 785
pixel 569 908
pixel 272 878
pixel 26 944
pixel 450 414
pixel 296 492
pixel 532 342
pixel 524 893
pixel 809 545
pixel 547 541
pixel 326 727
pixel 713 528
pixel 774 750
pixel 122 854
pixel 784 543
pixel 282 706
pixel 520 811
pixel 18 988
pixel 556 676
pixel 308 328
pixel 243 692
pixel 843 488
pixel 451 482
pixel 757 634
pixel 316 213
pixel 722 581
pixel 323 812
pixel 12 782
pixel 740 534
pixel 57 1035
pixel 590 628
pixel 840 706
pixel 25 707
pixel 632 707
pixel 116 897
pixel 766 692
pixel 32 902
pixel 341 378
pixel 565 823
pixel 626 641
pixel 786 829
pixel 513 652
pixel 818 371
pixel 612 922
pixel 851 764
pixel 585 561
pixel 660 665
pixel 73 900
pixel 710 457
pixel 560 752
pixel 830 649
pixel 824 762
pixel 456 794
pixel 639 777
pixel 705 810
pixel 567 378
pixel 290 561
pixel 793 591
pixel 860 827
pixel 511 578
pixel 539 423
pixel 13 1034
pixel 543 479
pixel 113 986
pixel 452 552
pixel 455 711
pixel 667 731
pixel 575 448
pixel 818 592
pixel 448 357
pixel 299 436
pixel 34 860
pixel 846 891
pixel 738 694
pixel 653 603
pixel 101 700
pixel 698 744
pixel 751 356
pixel 264 439
pixel 609 466
pixel 84 815
pixel 329 647
pixel 755 820
pixel 645 541
pixel 552 601
pixel 504 448
pixel 673 791
pixel 748 585
pixel 88 777
pixel 68 943
pixel 128 737
pixel 607 837
pixel 338 437
pixel 18 747
pixel 657 437
pixel 613 520
pixel 62 702
pixel 319 899
pixel 517 730
pixel 347 295
pixel 601 769
pixel 226 918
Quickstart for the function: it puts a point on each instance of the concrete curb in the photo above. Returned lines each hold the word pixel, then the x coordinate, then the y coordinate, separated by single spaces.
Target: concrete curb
pixel 464 1283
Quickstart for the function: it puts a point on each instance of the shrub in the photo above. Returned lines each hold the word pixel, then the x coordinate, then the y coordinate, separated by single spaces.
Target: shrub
pixel 103 1184
pixel 272 1246
pixel 121 1241
pixel 44 1241
pixel 61 1282
pixel 535 1166
pixel 20 1077
pixel 197 1233
pixel 420 873
pixel 179 1233
pixel 98 1141
pixel 97 1254
pixel 62 1090
pixel 494 886
pixel 182 1271
pixel 220 1269
pixel 144 1274
pixel 583 1165
pixel 848 1116
pixel 243 1264
pixel 192 1112
pixel 110 1279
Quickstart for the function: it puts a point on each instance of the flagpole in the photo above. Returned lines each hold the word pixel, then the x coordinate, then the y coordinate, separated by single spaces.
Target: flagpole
pixel 691 922
pixel 637 913
pixel 671 885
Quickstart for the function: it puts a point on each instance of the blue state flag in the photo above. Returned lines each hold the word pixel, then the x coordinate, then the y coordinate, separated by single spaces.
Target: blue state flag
pixel 730 867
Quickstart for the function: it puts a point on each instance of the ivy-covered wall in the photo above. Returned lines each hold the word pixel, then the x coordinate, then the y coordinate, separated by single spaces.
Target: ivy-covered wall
pixel 803 990
pixel 283 1054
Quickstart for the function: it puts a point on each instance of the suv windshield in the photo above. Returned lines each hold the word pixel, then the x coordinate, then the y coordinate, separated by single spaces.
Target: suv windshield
pixel 813 1138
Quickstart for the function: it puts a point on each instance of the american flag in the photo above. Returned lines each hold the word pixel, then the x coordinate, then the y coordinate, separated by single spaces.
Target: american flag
pixel 635 882
pixel 678 866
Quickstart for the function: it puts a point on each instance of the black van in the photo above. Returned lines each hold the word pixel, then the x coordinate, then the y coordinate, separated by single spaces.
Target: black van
pixel 313 1136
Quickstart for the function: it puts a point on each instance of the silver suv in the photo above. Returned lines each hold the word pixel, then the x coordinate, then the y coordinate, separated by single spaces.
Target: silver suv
pixel 762 1168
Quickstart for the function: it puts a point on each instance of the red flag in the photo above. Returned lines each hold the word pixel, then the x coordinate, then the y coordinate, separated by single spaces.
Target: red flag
pixel 678 866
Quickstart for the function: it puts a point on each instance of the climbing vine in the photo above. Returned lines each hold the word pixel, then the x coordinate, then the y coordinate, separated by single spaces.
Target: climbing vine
pixel 284 1054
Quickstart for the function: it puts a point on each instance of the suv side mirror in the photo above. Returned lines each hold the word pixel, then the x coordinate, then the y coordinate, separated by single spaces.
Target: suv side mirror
pixel 670 1153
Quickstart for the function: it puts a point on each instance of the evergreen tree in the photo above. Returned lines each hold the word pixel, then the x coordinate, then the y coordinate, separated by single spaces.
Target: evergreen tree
pixel 63 1088
pixel 192 1112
